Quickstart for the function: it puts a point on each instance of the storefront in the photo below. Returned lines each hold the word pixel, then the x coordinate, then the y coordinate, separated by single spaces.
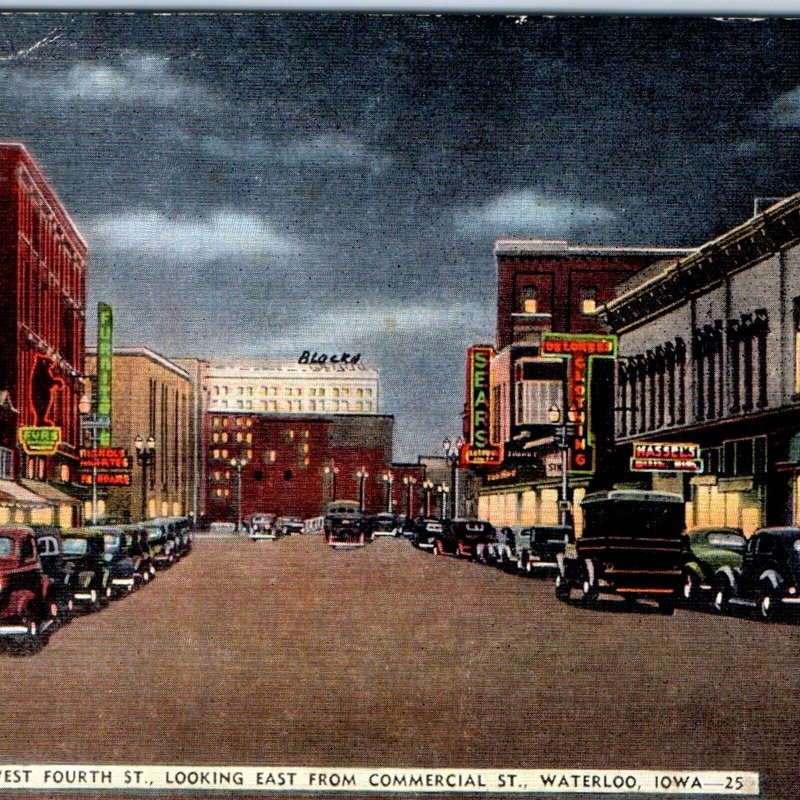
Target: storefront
pixel 20 506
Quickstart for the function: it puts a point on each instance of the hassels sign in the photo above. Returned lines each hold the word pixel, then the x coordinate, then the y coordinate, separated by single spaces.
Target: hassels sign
pixel 478 451
pixel 666 457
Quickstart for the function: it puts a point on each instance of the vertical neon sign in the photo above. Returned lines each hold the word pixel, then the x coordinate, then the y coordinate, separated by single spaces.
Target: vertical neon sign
pixel 579 350
pixel 105 329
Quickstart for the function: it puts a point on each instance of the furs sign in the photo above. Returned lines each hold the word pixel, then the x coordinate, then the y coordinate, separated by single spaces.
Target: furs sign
pixel 478 452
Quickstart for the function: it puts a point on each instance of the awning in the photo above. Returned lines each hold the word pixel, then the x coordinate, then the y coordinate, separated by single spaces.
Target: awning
pixel 12 494
pixel 49 492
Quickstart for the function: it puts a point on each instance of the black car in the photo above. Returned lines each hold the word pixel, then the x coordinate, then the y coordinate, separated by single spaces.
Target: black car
pixel 51 556
pixel 769 579
pixel 160 543
pixel 546 543
pixel 119 548
pixel 84 555
pixel 139 551
pixel 383 524
pixel 466 538
pixel 425 532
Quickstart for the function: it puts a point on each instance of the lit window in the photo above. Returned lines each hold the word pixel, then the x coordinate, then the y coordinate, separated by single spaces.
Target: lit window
pixel 249 437
pixel 263 391
pixel 224 453
pixel 529 301
pixel 305 434
pixel 291 434
pixel 250 454
pixel 271 456
pixel 217 475
pixel 345 392
pixel 359 405
pixel 335 392
pixel 224 437
pixel 249 423
pixel 215 422
pixel 322 392
pixel 239 436
pixel 224 422
pixel 295 405
pixel 262 406
pixel 306 461
pixel 589 301
pixel 305 448
pixel 227 474
pixel 215 437
pixel 334 405
pixel 287 405
pixel 312 392
pixel 273 405
pixel 215 453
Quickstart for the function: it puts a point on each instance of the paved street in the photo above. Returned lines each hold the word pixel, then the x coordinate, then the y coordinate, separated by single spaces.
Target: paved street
pixel 290 653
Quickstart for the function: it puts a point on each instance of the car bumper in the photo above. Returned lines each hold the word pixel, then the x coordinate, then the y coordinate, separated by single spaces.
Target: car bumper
pixel 256 536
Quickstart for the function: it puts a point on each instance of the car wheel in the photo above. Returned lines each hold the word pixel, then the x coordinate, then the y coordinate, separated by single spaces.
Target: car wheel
pixel 766 604
pixel 53 609
pixel 666 607
pixel 721 598
pixel 562 589
pixel 689 588
pixel 588 586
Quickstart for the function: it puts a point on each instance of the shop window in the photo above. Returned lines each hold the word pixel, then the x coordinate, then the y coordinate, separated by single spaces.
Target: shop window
pixel 528 301
pixel 589 301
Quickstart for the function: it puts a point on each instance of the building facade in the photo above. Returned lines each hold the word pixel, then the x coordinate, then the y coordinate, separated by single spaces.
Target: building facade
pixel 709 359
pixel 287 387
pixel 292 465
pixel 152 399
pixel 553 365
pixel 43 286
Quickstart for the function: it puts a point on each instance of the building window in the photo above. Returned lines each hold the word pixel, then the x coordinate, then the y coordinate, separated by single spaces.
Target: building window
pixel 215 453
pixel 273 405
pixel 345 406
pixel 249 391
pixel 240 404
pixel 298 391
pixel 334 405
pixel 240 390
pixel 287 405
pixel 215 437
pixel 589 301
pixel 262 391
pixel 312 404
pixel 345 392
pixel 6 463
pixel 537 386
pixel 271 456
pixel 322 392
pixel 367 392
pixel 368 406
pixel 287 392
pixel 321 405
pixel 295 405
pixel 215 422
pixel 335 392
pixel 528 301
pixel 359 392
pixel 312 392
pixel 359 405
pixel 262 405
pixel 225 404
pixel 249 405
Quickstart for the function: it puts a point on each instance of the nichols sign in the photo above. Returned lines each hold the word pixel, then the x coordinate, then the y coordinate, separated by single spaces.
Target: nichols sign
pixel 580 350
pixel 666 457
pixel 478 452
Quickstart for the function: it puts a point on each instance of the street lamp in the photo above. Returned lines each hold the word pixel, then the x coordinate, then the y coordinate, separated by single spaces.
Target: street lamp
pixel 239 464
pixel 362 476
pixel 332 470
pixel 427 485
pixel 388 480
pixel 564 430
pixel 451 454
pixel 443 490
pixel 409 481
pixel 146 455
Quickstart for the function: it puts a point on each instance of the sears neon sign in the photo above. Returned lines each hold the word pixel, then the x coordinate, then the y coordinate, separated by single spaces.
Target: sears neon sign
pixel 478 451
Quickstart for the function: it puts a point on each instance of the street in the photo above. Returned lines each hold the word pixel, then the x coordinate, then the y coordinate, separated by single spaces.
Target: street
pixel 289 653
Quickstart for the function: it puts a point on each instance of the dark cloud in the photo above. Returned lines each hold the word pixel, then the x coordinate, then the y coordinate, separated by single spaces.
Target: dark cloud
pixel 259 184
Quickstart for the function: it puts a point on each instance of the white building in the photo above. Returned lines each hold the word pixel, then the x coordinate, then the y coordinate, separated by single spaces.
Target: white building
pixel 280 387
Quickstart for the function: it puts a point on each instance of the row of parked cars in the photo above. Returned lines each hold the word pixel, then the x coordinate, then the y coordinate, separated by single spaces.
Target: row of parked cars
pixel 270 526
pixel 47 574
pixel 634 545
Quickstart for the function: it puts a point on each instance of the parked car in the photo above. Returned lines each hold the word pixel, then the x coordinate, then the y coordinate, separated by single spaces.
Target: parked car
pixel 139 551
pixel 160 543
pixel 503 551
pixel 404 526
pixel 465 538
pixel 290 526
pixel 383 524
pixel 118 542
pixel 712 553
pixel 346 525
pixel 84 553
pixel 51 557
pixel 769 578
pixel 28 604
pixel 425 531
pixel 632 545
pixel 544 544
pixel 261 526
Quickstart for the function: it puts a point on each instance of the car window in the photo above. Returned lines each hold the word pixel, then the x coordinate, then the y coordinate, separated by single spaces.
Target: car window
pixel 75 547
pixel 153 534
pixel 796 544
pixel 26 550
pixel 112 542
pixel 47 546
pixel 6 546
pixel 726 540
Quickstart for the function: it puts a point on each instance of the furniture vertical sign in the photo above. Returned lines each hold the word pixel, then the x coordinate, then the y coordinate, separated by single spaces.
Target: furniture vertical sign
pixel 105 329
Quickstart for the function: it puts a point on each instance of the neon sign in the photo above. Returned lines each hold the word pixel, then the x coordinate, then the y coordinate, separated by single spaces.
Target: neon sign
pixel 105 329
pixel 478 451
pixel 666 457
pixel 579 350
pixel 39 440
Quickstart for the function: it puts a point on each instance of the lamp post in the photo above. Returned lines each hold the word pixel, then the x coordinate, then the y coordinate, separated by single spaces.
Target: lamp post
pixel 388 480
pixel 443 490
pixel 239 464
pixel 451 454
pixel 409 481
pixel 146 456
pixel 565 428
pixel 91 423
pixel 332 470
pixel 362 476
pixel 427 485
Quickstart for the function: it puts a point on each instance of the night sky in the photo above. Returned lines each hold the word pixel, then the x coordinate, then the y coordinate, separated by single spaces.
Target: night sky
pixel 263 184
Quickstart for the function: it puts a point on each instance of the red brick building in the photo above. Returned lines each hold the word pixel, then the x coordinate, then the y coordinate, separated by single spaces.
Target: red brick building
pixel 296 464
pixel 43 290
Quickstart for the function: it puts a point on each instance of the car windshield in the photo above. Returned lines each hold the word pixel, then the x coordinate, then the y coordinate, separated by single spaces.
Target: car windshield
pixel 633 518
pixel 75 547
pixel 6 546
pixel 153 534
pixel 112 542
pixel 727 540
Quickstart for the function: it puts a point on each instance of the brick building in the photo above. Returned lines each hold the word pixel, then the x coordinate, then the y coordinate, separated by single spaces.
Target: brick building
pixel 43 288
pixel 295 464
pixel 151 397
pixel 551 290
pixel 709 356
